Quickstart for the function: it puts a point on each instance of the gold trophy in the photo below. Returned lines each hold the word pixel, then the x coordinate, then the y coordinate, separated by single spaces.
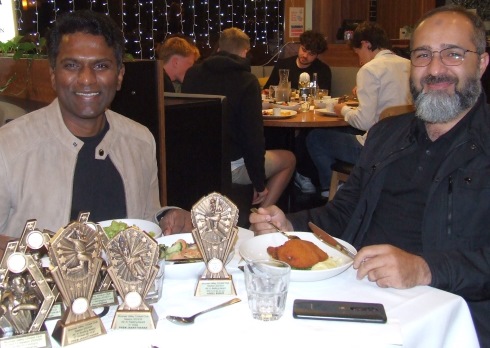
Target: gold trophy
pixel 132 258
pixel 25 296
pixel 214 218
pixel 75 253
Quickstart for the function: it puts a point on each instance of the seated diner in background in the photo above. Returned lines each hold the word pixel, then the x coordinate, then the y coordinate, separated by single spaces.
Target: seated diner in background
pixel 178 55
pixel 382 81
pixel 75 155
pixel 416 203
pixel 311 44
pixel 228 73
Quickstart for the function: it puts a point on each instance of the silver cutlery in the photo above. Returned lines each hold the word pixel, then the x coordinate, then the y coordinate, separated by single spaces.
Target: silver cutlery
pixel 190 320
pixel 289 236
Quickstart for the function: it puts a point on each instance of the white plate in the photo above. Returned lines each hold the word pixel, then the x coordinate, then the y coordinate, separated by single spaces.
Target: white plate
pixel 147 226
pixel 290 106
pixel 191 270
pixel 256 248
pixel 326 112
pixel 270 114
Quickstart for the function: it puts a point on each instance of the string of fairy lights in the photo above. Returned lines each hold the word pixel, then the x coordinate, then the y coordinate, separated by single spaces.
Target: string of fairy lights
pixel 147 22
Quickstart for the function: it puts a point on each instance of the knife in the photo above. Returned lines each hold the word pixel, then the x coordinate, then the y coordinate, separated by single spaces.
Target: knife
pixel 328 239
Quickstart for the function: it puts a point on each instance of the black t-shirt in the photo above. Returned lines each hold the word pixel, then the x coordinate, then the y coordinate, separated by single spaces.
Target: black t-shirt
pixel 397 219
pixel 323 71
pixel 97 185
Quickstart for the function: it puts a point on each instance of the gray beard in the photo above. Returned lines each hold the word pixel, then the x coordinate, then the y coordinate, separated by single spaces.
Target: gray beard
pixel 440 106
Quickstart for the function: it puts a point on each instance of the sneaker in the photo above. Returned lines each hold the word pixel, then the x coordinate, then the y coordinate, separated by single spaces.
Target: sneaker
pixel 304 183
pixel 325 193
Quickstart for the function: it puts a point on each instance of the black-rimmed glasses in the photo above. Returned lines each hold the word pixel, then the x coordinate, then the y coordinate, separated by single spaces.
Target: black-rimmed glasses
pixel 449 56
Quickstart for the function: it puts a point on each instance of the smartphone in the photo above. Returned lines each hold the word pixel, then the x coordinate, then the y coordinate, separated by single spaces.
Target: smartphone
pixel 338 310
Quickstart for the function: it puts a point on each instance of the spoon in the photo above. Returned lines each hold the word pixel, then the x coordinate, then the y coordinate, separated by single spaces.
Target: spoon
pixel 190 320
pixel 288 236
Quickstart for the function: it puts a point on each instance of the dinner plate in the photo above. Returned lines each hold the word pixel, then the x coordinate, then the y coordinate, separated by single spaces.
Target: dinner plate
pixel 289 106
pixel 326 112
pixel 191 270
pixel 268 114
pixel 256 248
pixel 148 226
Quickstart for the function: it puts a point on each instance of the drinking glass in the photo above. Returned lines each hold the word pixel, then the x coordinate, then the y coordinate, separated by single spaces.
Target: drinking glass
pixel 267 283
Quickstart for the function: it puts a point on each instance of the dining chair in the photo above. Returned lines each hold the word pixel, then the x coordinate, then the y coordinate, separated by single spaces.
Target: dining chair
pixel 341 170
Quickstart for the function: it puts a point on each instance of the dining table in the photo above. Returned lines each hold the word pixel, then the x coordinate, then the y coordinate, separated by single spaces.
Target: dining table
pixel 421 316
pixel 309 119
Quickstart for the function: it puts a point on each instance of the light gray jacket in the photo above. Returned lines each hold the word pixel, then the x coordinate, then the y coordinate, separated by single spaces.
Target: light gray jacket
pixel 37 163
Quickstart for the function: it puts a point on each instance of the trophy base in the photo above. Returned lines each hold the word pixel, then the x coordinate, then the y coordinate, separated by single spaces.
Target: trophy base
pixel 66 334
pixel 105 298
pixel 145 319
pixel 211 287
pixel 38 339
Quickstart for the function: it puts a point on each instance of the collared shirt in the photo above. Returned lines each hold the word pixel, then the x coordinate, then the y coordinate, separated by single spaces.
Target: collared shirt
pixel 382 82
pixel 397 219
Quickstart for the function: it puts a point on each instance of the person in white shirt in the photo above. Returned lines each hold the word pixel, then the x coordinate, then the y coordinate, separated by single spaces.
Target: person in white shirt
pixel 382 81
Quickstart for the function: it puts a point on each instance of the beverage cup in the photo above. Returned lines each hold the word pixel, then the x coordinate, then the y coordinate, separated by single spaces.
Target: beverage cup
pixel 276 111
pixel 329 104
pixel 282 94
pixel 304 106
pixel 322 93
pixel 155 292
pixel 267 283
pixel 272 90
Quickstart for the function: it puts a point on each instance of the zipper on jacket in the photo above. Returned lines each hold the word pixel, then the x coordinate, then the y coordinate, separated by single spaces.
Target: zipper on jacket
pixel 450 205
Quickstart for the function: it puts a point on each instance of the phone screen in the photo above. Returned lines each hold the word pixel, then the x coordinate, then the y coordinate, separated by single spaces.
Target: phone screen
pixel 339 310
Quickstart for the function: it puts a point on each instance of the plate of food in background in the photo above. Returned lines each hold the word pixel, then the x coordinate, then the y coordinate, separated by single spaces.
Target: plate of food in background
pixel 269 114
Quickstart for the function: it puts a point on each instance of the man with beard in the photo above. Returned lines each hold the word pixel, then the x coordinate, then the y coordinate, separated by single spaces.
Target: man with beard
pixel 417 205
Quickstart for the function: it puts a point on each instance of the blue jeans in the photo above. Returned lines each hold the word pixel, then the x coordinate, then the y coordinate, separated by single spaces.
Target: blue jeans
pixel 328 145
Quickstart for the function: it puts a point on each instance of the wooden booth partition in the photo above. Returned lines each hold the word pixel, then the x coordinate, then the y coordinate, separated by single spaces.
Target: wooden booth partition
pixel 190 132
pixel 141 99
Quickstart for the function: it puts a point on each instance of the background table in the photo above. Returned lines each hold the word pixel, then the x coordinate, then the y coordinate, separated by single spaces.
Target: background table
pixel 310 119
pixel 417 317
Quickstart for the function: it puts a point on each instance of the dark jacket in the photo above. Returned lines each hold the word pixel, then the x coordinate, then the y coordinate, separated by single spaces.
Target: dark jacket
pixel 456 221
pixel 168 86
pixel 229 75
pixel 323 73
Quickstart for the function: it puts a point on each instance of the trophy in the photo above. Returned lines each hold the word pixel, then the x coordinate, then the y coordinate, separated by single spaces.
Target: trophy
pixel 214 218
pixel 132 258
pixel 25 296
pixel 75 253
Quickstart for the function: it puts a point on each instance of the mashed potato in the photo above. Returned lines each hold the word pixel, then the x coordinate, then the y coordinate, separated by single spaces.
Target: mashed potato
pixel 331 262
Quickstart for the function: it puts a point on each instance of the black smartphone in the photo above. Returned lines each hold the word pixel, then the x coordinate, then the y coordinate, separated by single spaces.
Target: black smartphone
pixel 339 310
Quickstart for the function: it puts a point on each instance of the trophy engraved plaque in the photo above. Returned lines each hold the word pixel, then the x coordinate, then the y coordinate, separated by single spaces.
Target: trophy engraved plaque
pixel 26 297
pixel 75 253
pixel 214 218
pixel 133 257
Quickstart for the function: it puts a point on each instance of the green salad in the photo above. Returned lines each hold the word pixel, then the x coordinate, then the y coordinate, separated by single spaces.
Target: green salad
pixel 117 226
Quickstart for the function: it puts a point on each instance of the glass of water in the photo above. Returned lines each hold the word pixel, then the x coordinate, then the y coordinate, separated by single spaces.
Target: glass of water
pixel 267 283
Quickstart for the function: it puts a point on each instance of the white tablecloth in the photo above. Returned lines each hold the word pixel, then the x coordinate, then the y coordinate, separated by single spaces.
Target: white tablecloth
pixel 417 317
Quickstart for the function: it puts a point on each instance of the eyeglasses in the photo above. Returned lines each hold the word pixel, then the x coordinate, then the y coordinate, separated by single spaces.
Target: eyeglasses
pixel 449 56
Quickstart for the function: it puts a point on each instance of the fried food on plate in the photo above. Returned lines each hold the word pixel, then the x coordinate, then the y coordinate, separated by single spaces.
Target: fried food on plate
pixel 298 253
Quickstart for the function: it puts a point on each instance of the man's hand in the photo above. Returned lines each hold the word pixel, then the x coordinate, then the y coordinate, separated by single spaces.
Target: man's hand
pixel 337 108
pixel 176 221
pixel 260 222
pixel 389 266
pixel 259 196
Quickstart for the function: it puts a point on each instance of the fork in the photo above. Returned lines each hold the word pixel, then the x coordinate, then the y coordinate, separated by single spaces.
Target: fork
pixel 288 236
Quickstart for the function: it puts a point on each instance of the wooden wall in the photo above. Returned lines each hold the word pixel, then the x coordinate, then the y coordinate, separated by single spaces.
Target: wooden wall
pixel 391 14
